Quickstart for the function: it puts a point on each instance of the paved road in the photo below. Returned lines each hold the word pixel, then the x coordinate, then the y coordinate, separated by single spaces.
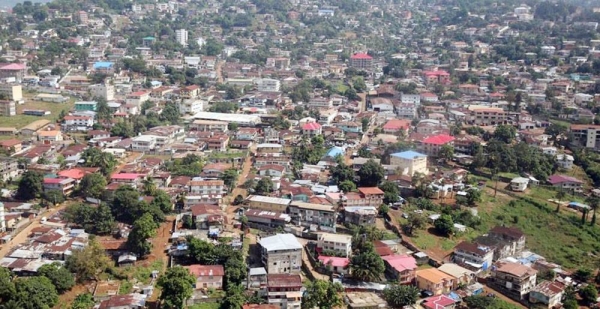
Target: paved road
pixel 22 236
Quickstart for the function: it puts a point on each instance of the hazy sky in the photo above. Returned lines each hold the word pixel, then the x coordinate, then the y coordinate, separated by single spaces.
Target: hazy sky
pixel 11 3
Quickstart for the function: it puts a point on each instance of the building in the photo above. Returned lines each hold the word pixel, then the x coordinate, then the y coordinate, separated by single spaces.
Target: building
pixel 281 254
pixel 311 129
pixel 8 108
pixel 548 293
pixel 268 85
pixel 264 219
pixel 64 185
pixel 586 135
pixel 78 123
pixel 486 116
pixel 519 184
pixel 191 106
pixel 432 145
pixel 268 203
pixel 268 148
pixel 434 280
pixel 143 143
pixel 436 77
pixel 361 61
pixel 50 136
pixel 137 98
pixel 105 90
pixel 207 187
pixel 339 244
pixel 284 290
pixel 16 70
pixel 567 183
pixel 565 161
pixel 207 276
pixel 48 97
pixel 410 162
pixel 208 126
pixel 360 215
pixel 257 278
pixel 337 265
pixel 401 267
pixel 513 279
pixel 372 195
pixel 513 238
pixel 206 216
pixel 314 216
pixel 461 275
pixel 11 92
pixel 181 36
pixel 394 126
pixel 473 256
pixel 9 168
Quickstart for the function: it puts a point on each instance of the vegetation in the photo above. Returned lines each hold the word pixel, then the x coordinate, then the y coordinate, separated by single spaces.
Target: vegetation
pixel 370 174
pixel 322 294
pixel 58 275
pixel 399 296
pixel 177 286
pixel 88 263
pixel 30 185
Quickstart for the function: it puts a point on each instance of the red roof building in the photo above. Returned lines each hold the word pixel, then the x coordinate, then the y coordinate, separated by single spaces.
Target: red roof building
pixel 394 126
pixel 403 267
pixel 432 145
pixel 361 61
pixel 439 302
pixel 311 129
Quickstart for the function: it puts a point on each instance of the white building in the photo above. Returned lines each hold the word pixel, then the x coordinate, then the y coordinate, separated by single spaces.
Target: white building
pixel 406 110
pixel 143 143
pixel 411 98
pixel 565 161
pixel 78 123
pixel 181 35
pixel 281 254
pixel 191 106
pixel 268 85
pixel 338 243
pixel 106 91
pixel 519 184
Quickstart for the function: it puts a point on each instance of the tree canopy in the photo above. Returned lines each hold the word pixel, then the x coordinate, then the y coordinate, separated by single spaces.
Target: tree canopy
pixel 399 296
pixel 177 285
pixel 370 174
pixel 30 185
pixel 322 294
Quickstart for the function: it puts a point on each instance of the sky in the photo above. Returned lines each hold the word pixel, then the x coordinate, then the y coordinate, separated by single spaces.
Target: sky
pixel 4 4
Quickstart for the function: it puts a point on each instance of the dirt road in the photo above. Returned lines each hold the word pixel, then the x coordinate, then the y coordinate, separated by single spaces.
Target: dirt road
pixel 23 235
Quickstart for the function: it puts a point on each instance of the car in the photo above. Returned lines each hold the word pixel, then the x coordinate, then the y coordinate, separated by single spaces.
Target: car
pixel 426 293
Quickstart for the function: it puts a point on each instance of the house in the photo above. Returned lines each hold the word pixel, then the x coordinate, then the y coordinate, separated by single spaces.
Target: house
pixel 340 244
pixel 567 183
pixel 513 279
pixel 247 134
pixel 549 293
pixel 209 126
pixel 127 301
pixel 360 215
pixel 214 170
pixel 11 145
pixel 401 267
pixel 473 256
pixel 565 161
pixel 396 126
pixel 313 216
pixel 311 129
pixel 284 290
pixel 513 237
pixel 78 123
pixel 462 276
pixel 281 253
pixel 271 170
pixel 268 203
pixel 439 302
pixel 434 280
pixel 207 216
pixel 268 148
pixel 338 265
pixel 519 184
pixel 266 219
pixel 98 134
pixel 207 187
pixel 433 144
pixel 361 61
pixel 409 162
pixel 373 195
pixel 485 116
pixel 143 143
pixel 207 276
pixel 257 278
pixel 64 185
pixel 48 137
pixel 9 168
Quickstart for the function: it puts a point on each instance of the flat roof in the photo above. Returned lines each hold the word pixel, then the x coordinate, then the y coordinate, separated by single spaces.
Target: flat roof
pixel 312 206
pixel 280 242
pixel 247 119
pixel 268 199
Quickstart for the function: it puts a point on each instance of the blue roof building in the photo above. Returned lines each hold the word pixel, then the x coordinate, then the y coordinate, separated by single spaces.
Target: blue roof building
pixel 335 151
pixel 103 65
pixel 409 155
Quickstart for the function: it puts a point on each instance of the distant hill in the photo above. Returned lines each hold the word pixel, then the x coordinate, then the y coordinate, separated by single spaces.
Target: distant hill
pixel 9 4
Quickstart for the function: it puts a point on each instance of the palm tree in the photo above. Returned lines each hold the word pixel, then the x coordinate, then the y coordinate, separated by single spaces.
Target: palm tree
pixel 148 185
pixel 593 202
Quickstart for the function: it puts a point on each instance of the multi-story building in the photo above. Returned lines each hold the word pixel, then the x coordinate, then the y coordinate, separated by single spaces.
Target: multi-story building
pixel 586 135
pixel 462 276
pixel 191 106
pixel 64 185
pixel 341 244
pixel 485 116
pixel 82 106
pixel 208 126
pixel 406 110
pixel 11 92
pixel 434 280
pixel 207 187
pixel 264 219
pixel 514 237
pixel 473 256
pixel 268 203
pixel 513 279
pixel 409 162
pixel 548 293
pixel 436 77
pixel 143 143
pixel 284 290
pixel 78 123
pixel 268 85
pixel 9 168
pixel 181 36
pixel 361 61
pixel 310 214
pixel 207 276
pixel 567 183
pixel 281 254
pixel 360 215
pixel 137 98
pixel 401 267
pixel 432 145
pixel 8 108
pixel 320 102
pixel 372 195
pixel 104 90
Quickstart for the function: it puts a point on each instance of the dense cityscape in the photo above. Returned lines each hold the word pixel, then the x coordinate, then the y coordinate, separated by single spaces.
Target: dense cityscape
pixel 288 154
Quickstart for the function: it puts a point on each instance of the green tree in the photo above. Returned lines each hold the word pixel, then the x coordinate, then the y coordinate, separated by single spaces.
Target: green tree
pixel 123 129
pixel 30 185
pixel 170 114
pixel 347 186
pixel 473 197
pixel 229 177
pixel 399 296
pixel 234 297
pixel 505 133
pixel 367 266
pixel 92 185
pixel 446 152
pixel 59 275
pixel 322 294
pixel 143 229
pixel 264 186
pixel 104 220
pixel 560 195
pixel 589 294
pixel 83 301
pixel 444 225
pixel 238 199
pixel 391 192
pixel 162 201
pixel 415 221
pixel 105 161
pixel 88 263
pixel 148 186
pixel 593 202
pixel 570 304
pixel 583 274
pixel 35 293
pixel 342 172
pixel 7 286
pixel 53 197
pixel 235 270
pixel 177 285
pixel 370 174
